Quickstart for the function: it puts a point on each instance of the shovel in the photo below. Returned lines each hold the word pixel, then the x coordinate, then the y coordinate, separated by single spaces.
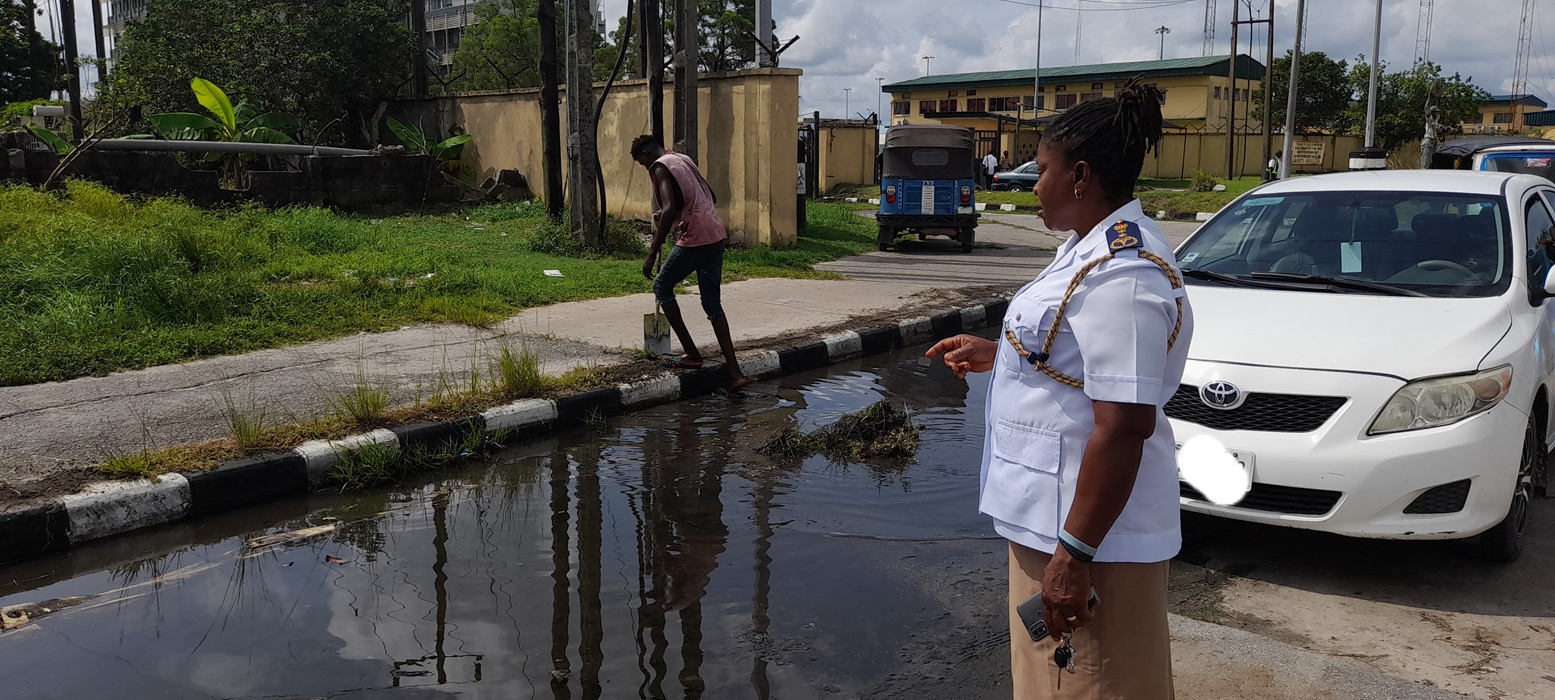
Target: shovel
pixel 656 332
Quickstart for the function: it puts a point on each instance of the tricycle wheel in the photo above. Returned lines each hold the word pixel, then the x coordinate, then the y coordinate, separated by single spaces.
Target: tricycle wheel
pixel 968 239
pixel 886 237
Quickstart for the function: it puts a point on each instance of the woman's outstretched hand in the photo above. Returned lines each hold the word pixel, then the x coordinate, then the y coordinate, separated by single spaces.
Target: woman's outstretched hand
pixel 966 353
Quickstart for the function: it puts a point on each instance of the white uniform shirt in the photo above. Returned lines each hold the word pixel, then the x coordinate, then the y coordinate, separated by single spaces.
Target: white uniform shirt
pixel 1114 336
pixel 990 164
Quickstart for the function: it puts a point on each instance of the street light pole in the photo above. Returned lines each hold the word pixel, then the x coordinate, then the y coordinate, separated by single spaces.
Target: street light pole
pixel 879 99
pixel 1036 94
pixel 847 102
pixel 1290 99
pixel 1163 30
pixel 926 60
pixel 1371 98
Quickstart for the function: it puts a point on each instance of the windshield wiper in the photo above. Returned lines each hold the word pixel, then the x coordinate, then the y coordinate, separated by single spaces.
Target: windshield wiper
pixel 1234 281
pixel 1341 282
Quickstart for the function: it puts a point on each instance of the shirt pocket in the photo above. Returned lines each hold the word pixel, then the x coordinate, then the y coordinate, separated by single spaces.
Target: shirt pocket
pixel 1031 329
pixel 1022 487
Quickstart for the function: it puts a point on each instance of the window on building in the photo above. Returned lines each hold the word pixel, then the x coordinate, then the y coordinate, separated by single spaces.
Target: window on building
pixel 952 93
pixel 1066 101
pixel 970 93
pixel 1088 96
pixel 1217 92
pixel 1096 87
pixel 1061 88
pixel 900 108
pixel 927 107
pixel 947 105
pixel 977 105
pixel 1041 102
pixel 1502 118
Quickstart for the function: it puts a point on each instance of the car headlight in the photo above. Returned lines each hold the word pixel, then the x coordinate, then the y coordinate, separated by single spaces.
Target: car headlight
pixel 1432 403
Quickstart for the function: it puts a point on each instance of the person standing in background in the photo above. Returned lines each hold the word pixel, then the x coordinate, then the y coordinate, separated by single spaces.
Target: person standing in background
pixel 990 166
pixel 1273 171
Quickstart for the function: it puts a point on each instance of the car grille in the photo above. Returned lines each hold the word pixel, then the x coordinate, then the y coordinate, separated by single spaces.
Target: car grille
pixel 1270 413
pixel 1287 500
pixel 1447 498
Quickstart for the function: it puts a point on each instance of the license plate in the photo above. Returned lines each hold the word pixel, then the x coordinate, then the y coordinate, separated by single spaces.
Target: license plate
pixel 1243 459
pixel 964 210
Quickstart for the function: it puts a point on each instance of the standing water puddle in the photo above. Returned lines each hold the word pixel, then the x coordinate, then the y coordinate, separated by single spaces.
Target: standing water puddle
pixel 658 555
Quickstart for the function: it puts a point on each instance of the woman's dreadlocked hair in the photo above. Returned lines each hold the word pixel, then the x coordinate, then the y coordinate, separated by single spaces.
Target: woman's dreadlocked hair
pixel 1112 134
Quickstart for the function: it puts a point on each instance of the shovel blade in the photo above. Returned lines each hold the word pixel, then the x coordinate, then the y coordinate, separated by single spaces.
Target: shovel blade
pixel 656 333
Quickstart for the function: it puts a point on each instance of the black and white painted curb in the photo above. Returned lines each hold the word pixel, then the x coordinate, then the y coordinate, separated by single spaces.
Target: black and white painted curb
pixel 113 507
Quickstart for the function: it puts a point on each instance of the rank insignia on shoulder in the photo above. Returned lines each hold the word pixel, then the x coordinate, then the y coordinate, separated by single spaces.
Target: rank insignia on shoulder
pixel 1124 235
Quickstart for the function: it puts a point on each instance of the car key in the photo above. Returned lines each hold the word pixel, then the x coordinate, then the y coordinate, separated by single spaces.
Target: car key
pixel 1063 658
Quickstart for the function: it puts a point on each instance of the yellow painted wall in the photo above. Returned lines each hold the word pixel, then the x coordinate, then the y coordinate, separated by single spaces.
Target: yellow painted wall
pixel 1487 118
pixel 1188 98
pixel 847 156
pixel 748 142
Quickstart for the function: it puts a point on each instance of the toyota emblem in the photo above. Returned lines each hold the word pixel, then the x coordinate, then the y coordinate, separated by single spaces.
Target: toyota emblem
pixel 1221 395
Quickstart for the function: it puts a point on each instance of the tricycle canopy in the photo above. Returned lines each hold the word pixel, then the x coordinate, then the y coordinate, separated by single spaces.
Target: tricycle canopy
pixel 930 152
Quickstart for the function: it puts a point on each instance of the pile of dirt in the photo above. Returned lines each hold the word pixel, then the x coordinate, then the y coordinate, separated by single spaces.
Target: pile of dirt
pixel 883 430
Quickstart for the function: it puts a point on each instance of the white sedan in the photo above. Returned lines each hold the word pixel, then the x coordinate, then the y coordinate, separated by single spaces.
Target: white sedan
pixel 1377 349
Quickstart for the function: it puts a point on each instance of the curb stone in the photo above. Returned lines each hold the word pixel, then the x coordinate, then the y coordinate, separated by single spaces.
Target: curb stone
pixel 109 508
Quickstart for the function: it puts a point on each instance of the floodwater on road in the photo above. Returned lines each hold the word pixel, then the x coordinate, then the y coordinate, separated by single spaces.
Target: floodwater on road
pixel 656 555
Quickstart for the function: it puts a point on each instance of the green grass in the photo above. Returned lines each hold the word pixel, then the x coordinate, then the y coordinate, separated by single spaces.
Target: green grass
pixel 92 282
pixel 1157 198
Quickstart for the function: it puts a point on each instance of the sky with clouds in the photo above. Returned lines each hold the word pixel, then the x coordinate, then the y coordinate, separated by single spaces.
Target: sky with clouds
pixel 849 43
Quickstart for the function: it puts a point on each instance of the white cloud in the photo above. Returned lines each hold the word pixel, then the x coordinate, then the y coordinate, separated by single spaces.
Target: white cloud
pixel 847 43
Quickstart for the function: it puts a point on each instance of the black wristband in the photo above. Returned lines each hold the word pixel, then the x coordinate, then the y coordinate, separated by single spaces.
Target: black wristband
pixel 1075 552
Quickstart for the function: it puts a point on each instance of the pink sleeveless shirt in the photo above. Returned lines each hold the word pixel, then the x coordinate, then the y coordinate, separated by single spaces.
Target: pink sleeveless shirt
pixel 699 214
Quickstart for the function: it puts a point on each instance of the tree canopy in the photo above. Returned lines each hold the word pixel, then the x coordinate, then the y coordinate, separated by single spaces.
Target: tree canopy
pixel 29 66
pixel 326 62
pixel 1402 97
pixel 1322 98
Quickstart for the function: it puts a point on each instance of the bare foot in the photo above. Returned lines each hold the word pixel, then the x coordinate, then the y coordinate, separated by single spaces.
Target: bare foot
pixel 739 383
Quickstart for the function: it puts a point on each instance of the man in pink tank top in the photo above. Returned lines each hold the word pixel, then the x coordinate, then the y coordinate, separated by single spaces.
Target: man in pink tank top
pixel 683 202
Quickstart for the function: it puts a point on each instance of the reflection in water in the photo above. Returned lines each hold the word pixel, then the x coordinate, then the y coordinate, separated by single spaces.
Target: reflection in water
pixel 661 494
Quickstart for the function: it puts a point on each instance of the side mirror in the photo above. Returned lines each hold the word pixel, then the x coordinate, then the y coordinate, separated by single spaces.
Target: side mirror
pixel 1549 282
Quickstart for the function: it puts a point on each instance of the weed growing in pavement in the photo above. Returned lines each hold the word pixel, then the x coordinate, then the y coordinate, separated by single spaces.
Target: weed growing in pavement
pixel 594 420
pixel 362 402
pixel 246 428
pixel 518 374
pixel 374 465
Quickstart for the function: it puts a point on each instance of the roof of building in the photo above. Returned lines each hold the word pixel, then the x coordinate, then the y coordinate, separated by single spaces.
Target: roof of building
pixel 1246 67
pixel 1545 118
pixel 1521 99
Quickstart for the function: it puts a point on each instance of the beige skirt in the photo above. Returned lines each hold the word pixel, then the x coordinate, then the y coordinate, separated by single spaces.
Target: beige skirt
pixel 1124 653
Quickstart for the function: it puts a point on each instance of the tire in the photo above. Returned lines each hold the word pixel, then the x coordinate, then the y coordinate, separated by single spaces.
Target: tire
pixel 885 238
pixel 1504 542
pixel 1018 188
pixel 968 239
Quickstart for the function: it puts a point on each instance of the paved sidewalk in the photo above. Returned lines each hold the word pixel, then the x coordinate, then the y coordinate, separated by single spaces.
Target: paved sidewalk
pixel 54 432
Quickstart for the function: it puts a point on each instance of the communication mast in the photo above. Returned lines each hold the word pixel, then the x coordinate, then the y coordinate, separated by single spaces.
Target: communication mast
pixel 1520 68
pixel 1209 29
pixel 1423 32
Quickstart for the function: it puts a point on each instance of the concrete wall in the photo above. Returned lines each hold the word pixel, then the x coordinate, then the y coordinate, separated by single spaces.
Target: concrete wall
pixel 746 140
pixel 847 155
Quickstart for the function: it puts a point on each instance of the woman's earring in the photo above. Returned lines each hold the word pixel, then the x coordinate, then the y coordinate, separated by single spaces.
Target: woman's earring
pixel 1076 193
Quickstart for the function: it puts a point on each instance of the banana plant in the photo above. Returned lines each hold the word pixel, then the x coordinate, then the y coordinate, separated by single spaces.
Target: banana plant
pixel 448 150
pixel 54 141
pixel 233 124
pixel 238 124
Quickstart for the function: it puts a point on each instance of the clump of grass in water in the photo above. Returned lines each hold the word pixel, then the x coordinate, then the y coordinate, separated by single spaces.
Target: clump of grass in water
pixel 881 430
pixel 374 465
pixel 518 373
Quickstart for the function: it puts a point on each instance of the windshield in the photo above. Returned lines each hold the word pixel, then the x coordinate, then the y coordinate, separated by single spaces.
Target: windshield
pixel 1406 243
pixel 1541 164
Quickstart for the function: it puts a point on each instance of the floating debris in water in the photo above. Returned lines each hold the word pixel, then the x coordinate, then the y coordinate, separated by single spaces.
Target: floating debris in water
pixel 881 430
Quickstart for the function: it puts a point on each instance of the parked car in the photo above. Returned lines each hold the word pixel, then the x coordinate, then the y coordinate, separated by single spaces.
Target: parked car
pixel 1377 350
pixel 1021 179
pixel 1507 154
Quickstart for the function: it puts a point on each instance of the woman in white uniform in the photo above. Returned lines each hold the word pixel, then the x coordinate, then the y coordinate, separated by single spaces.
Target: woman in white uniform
pixel 1079 467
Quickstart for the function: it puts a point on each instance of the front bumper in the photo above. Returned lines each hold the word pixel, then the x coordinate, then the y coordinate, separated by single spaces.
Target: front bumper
pixel 1375 478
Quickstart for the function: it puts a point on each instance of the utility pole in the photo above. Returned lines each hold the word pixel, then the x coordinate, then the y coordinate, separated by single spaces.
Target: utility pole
pixel 582 151
pixel 550 111
pixel 97 36
pixel 1290 100
pixel 764 48
pixel 418 66
pixel 847 103
pixel 1236 20
pixel 686 43
pixel 653 53
pixel 1036 82
pixel 879 99
pixel 1163 30
pixel 926 60
pixel 67 11
pixel 1371 95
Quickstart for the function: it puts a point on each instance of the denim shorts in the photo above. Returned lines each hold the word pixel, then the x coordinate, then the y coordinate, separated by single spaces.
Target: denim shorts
pixel 707 261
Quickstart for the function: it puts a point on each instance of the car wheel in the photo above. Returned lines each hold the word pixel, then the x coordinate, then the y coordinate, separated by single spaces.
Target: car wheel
pixel 1017 187
pixel 886 237
pixel 1504 542
pixel 968 239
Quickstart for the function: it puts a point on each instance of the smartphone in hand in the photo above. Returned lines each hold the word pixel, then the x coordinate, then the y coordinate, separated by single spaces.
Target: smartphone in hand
pixel 1035 621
